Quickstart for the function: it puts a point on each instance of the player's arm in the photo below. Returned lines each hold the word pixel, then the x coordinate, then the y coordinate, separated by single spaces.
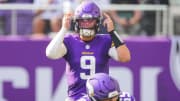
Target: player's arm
pixel 122 53
pixel 56 48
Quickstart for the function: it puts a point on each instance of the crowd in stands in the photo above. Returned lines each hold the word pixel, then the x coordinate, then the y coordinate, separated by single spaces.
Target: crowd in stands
pixel 43 22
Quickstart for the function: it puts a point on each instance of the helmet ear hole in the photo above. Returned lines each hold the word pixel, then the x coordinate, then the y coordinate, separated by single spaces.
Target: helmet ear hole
pixel 76 27
pixel 98 29
pixel 72 27
pixel 98 25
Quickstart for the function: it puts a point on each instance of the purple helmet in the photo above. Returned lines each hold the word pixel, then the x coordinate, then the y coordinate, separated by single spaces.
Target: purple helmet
pixel 87 10
pixel 125 96
pixel 101 86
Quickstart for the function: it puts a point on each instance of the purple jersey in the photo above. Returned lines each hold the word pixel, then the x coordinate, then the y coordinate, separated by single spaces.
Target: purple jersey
pixel 84 59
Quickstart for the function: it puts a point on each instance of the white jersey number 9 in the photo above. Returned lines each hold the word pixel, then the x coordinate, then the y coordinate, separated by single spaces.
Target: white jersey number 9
pixel 87 62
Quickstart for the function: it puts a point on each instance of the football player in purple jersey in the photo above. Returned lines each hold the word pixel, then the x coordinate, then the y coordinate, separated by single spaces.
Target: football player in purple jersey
pixel 85 51
pixel 102 87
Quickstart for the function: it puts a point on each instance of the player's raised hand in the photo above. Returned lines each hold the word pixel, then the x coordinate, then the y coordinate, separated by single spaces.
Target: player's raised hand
pixel 66 22
pixel 108 22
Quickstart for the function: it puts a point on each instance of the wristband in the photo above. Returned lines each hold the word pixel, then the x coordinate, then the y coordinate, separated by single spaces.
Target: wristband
pixel 116 39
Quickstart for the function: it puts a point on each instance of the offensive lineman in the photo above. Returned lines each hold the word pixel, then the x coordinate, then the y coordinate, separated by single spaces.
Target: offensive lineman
pixel 102 87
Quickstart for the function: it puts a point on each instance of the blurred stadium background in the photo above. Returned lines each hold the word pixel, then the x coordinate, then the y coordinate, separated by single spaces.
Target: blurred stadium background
pixel 152 75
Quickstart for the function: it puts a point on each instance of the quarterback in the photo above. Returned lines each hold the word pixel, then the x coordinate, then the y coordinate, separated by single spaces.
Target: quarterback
pixel 85 51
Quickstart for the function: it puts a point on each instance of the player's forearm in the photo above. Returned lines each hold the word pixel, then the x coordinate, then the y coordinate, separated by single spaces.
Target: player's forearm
pixel 123 52
pixel 56 48
pixel 116 39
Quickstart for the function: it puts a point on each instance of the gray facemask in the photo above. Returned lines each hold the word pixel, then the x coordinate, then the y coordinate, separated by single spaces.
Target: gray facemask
pixel 87 32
